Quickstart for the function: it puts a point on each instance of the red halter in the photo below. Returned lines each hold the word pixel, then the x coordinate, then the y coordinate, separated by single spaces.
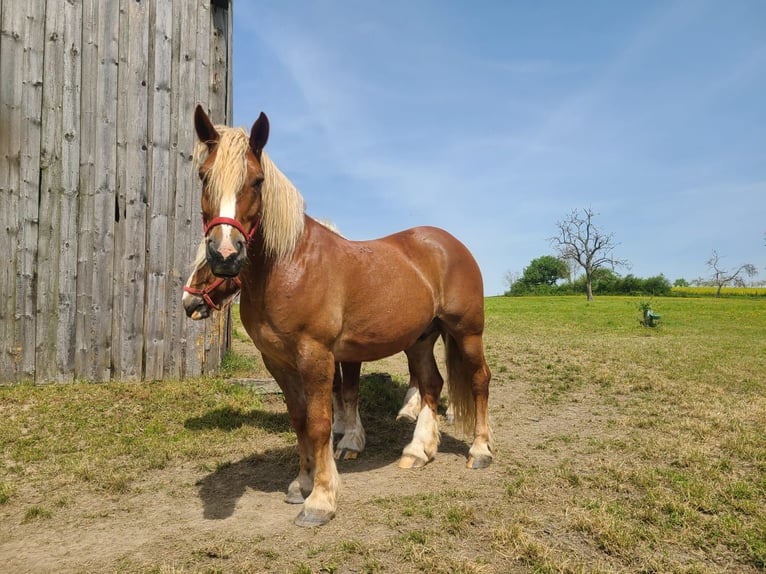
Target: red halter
pixel 235 224
pixel 205 293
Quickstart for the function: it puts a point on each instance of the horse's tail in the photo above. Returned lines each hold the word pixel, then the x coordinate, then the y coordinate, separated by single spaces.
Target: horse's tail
pixel 460 385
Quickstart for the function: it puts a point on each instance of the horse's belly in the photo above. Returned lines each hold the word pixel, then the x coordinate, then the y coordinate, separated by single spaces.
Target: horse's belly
pixel 358 350
pixel 378 337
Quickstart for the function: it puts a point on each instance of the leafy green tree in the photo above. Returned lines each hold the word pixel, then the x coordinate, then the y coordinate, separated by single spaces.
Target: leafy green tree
pixel 545 270
pixel 680 282
pixel 657 285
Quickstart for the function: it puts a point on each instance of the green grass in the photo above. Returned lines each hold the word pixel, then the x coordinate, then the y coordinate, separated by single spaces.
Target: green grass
pixel 624 449
pixel 682 464
pixel 55 434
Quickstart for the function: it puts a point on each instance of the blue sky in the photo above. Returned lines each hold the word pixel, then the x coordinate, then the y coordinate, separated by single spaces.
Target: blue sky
pixel 494 120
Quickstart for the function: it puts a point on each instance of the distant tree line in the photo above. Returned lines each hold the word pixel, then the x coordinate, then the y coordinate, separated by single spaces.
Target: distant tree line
pixel 582 245
pixel 543 277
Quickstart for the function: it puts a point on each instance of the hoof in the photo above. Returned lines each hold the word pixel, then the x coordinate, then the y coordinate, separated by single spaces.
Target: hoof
pixel 346 454
pixel 313 519
pixel 406 417
pixel 294 498
pixel 294 494
pixel 409 461
pixel 479 461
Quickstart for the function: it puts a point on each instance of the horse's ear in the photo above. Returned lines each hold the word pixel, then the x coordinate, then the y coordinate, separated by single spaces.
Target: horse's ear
pixel 259 135
pixel 205 129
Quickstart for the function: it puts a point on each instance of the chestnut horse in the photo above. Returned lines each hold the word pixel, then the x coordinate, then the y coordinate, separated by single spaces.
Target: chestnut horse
pixel 310 298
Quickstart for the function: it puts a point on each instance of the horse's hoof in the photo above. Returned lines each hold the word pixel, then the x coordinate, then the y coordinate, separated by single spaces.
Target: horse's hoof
pixel 409 461
pixel 294 498
pixel 346 454
pixel 313 519
pixel 406 417
pixel 480 461
pixel 294 494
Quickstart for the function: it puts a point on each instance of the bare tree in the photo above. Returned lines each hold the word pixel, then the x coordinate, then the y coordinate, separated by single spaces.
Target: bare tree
pixel 579 240
pixel 722 277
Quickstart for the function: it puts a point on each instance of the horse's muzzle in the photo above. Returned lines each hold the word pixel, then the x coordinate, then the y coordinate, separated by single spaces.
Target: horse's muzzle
pixel 196 308
pixel 225 265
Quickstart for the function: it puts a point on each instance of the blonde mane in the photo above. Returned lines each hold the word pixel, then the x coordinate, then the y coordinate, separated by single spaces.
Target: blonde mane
pixel 282 205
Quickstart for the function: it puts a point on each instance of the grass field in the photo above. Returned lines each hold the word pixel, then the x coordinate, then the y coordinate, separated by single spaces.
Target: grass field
pixel 620 449
pixel 725 292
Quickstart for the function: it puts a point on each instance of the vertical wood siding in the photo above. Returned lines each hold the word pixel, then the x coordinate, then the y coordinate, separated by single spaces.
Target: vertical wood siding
pixel 99 208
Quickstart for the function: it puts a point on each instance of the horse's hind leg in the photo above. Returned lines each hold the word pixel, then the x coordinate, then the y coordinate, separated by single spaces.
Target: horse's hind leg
pixel 338 411
pixel 469 378
pixel 425 439
pixel 354 439
pixel 411 405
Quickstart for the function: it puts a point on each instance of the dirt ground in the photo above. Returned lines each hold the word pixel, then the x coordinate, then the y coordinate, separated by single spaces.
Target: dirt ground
pixel 234 518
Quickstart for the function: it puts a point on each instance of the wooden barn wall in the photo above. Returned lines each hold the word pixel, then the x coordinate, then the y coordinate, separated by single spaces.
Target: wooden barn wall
pixel 99 208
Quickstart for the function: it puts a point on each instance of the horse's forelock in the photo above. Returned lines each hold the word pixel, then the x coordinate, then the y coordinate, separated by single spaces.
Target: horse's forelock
pixel 228 173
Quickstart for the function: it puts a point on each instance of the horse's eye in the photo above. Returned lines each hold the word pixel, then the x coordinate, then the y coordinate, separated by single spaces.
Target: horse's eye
pixel 257 183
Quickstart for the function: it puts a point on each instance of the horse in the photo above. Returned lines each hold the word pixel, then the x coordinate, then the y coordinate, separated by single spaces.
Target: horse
pixel 204 292
pixel 311 298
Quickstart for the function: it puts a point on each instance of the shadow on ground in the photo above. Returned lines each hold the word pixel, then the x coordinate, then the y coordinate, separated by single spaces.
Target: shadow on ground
pixel 273 469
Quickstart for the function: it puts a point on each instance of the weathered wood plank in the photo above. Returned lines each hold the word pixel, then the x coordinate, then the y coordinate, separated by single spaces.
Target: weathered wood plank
pixel 68 214
pixel 58 188
pixel 186 225
pixel 97 184
pixel 219 65
pixel 159 241
pixel 31 108
pixel 11 64
pixel 106 182
pixel 130 263
pixel 86 186
pixel 46 307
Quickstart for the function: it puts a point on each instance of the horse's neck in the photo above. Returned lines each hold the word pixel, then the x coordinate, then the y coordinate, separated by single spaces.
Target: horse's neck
pixel 261 265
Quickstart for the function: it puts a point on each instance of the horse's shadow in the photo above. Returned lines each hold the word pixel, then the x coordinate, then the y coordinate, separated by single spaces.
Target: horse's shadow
pixel 273 469
pixel 228 419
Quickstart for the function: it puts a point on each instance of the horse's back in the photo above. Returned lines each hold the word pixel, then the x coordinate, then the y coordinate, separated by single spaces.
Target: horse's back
pixel 444 258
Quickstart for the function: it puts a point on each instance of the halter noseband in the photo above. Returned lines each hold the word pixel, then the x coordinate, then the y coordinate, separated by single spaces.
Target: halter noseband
pixel 207 226
pixel 205 293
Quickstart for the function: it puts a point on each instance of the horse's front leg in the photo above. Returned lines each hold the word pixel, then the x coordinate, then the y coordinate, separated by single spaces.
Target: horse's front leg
pixel 354 438
pixel 295 398
pixel 316 367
